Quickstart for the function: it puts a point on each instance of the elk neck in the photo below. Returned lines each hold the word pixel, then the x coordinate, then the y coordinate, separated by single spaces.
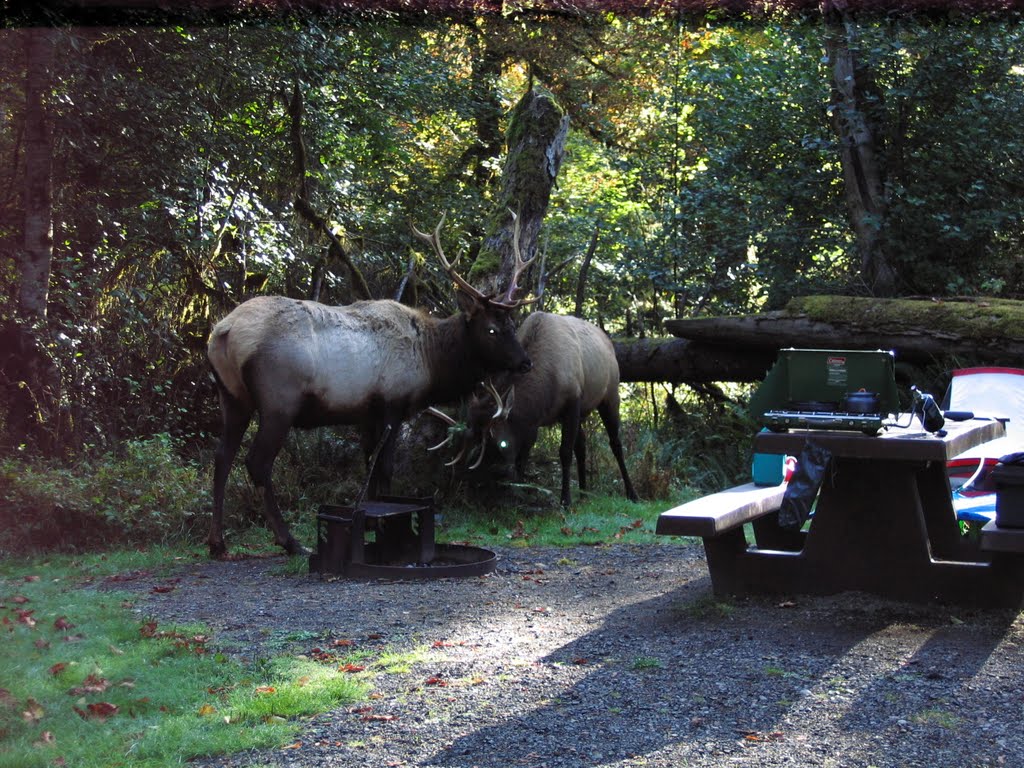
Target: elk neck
pixel 454 370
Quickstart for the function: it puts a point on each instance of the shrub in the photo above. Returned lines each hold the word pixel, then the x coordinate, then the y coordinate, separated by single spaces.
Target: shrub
pixel 145 493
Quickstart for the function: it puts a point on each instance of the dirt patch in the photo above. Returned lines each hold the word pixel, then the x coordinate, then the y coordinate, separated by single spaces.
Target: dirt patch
pixel 619 656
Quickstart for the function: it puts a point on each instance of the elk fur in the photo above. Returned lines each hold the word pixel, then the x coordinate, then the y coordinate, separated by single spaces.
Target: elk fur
pixel 574 373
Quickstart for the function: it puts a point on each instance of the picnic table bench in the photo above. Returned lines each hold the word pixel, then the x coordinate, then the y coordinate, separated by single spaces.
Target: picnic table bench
pixel 883 523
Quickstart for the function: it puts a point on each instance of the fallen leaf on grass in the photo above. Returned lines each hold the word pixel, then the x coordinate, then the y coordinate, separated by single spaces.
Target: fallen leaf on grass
pixel 25 617
pixel 41 644
pixel 266 689
pixel 46 739
pixel 100 710
pixel 439 682
pixel 91 684
pixel 19 599
pixel 57 668
pixel 379 718
pixel 33 711
pixel 343 642
pixel 351 668
pixel 294 745
pixel 62 624
pixel 206 709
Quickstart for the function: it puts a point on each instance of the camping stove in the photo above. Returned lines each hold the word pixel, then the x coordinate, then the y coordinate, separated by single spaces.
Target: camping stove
pixel 390 538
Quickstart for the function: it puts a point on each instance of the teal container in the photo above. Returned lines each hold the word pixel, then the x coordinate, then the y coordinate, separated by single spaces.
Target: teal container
pixel 768 468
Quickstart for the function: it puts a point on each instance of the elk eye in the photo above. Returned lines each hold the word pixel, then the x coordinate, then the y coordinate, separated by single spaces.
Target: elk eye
pixel 503 444
pixel 492 331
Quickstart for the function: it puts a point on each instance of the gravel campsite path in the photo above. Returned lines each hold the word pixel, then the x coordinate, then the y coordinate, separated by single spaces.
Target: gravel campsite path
pixel 618 656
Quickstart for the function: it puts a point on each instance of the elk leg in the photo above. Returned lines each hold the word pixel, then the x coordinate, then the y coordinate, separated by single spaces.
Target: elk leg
pixel 529 437
pixel 581 456
pixel 235 418
pixel 260 463
pixel 570 430
pixel 610 416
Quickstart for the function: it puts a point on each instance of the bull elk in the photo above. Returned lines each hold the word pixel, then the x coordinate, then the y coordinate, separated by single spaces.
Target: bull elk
pixel 372 363
pixel 574 372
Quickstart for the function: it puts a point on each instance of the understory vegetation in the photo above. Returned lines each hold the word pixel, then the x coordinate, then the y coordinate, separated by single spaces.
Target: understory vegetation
pixel 158 490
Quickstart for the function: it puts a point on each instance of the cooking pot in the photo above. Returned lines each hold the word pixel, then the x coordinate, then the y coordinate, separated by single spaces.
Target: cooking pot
pixel 862 401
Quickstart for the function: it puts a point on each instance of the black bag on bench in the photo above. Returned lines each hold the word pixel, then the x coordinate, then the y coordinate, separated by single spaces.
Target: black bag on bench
pixel 803 486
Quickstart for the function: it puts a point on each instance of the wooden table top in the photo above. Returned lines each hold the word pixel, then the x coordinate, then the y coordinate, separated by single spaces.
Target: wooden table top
pixel 892 444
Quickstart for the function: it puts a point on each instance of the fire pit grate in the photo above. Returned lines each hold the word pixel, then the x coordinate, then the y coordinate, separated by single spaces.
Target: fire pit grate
pixel 402 545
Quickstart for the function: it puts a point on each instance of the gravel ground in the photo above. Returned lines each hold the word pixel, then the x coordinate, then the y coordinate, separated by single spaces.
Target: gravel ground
pixel 619 656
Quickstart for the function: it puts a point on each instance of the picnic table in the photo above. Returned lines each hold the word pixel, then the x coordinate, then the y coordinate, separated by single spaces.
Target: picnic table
pixel 883 523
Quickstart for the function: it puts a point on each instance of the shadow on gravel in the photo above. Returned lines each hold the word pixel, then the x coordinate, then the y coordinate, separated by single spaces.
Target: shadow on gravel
pixel 682 679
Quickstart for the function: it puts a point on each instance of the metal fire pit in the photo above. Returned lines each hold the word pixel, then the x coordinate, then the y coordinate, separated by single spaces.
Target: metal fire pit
pixel 402 545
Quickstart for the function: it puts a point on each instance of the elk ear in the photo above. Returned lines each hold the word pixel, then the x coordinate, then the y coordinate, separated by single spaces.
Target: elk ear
pixel 470 305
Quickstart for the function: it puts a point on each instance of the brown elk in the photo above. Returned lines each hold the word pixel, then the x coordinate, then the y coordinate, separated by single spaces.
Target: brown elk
pixel 372 363
pixel 574 372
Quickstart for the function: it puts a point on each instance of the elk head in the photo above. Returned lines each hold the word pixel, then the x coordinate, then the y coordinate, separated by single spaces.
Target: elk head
pixel 489 325
pixel 488 423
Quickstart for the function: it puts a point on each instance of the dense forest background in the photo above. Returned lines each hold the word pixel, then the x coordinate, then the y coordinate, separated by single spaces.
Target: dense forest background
pixel 713 165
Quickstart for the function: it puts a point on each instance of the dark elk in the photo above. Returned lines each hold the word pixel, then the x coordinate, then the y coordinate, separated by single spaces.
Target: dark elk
pixel 574 372
pixel 372 364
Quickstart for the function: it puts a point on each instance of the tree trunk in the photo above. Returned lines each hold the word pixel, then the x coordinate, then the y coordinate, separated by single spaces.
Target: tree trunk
pixel 37 252
pixel 536 142
pixel 680 361
pixel 918 331
pixel 862 176
pixel 581 282
pixel 29 377
pixel 336 250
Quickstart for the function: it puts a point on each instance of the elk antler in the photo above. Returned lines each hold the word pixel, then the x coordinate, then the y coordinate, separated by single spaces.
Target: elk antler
pixel 493 392
pixel 451 434
pixel 504 406
pixel 506 300
pixel 434 241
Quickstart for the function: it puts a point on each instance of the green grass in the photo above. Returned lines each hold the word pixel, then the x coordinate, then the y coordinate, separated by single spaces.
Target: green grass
pixel 596 519
pixel 87 681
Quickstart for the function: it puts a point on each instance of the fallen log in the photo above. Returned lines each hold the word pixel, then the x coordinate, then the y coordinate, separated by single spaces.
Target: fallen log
pixel 982 330
pixel 680 361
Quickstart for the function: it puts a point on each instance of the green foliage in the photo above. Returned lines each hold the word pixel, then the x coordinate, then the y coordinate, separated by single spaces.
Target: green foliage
pixel 144 494
pixel 702 151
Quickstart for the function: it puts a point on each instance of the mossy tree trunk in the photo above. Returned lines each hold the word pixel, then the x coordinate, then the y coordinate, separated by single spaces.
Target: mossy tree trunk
pixel 940 334
pixel 535 138
pixel 29 378
pixel 862 174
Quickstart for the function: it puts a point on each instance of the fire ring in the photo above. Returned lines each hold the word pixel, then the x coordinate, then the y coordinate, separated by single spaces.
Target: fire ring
pixel 403 544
